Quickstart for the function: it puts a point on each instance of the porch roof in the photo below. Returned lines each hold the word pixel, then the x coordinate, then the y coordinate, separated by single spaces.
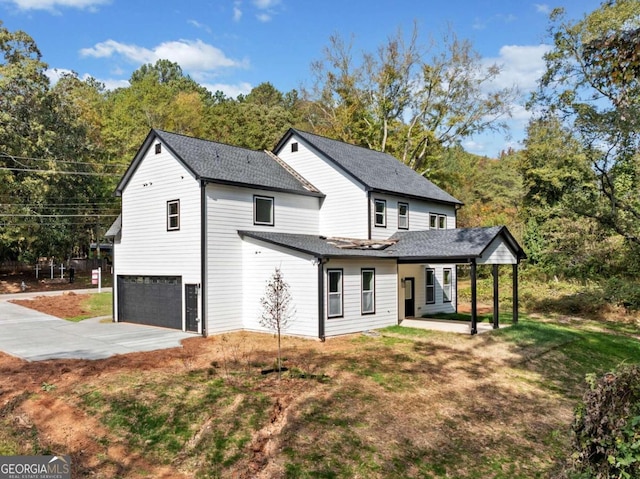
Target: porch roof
pixel 455 245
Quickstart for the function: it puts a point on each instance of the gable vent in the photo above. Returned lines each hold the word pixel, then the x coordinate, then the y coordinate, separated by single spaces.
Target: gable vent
pixel 294 147
pixel 158 148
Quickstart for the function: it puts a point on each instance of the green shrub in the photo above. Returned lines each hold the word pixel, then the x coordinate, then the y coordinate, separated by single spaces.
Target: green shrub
pixel 623 292
pixel 606 426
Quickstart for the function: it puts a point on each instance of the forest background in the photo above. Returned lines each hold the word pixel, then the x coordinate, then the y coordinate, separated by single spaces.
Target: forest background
pixel 570 196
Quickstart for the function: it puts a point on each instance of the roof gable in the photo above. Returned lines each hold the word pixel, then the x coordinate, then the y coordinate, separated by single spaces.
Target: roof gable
pixel 375 170
pixel 210 161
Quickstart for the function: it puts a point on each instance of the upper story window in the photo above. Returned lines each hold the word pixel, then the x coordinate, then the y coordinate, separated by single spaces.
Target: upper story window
pixel 381 213
pixel 173 215
pixel 403 216
pixel 263 210
pixel 437 222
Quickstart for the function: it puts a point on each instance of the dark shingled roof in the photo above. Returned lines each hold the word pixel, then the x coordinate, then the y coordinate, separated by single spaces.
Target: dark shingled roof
pixel 450 243
pixel 310 244
pixel 375 170
pixel 454 244
pixel 218 162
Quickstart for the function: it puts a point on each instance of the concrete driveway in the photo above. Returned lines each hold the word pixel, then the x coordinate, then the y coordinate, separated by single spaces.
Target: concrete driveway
pixel 34 336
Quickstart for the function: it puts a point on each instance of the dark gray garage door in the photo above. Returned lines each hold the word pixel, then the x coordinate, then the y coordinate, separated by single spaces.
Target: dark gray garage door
pixel 152 300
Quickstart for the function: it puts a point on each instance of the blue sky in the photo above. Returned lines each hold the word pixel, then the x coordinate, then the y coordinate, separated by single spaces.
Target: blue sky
pixel 234 45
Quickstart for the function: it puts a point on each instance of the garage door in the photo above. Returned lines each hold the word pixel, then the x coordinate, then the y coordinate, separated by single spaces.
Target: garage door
pixel 152 300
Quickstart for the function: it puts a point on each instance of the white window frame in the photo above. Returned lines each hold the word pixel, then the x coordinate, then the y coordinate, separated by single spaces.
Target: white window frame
pixel 335 294
pixel 430 287
pixel 173 216
pixel 270 199
pixel 383 223
pixel 447 286
pixel 368 292
pixel 403 218
pixel 437 221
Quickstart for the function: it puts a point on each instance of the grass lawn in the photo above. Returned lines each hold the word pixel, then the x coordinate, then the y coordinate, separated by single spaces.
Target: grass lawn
pixel 407 403
pixel 95 305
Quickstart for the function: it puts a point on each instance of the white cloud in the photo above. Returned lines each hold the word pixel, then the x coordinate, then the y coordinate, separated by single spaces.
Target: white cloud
pixel 237 13
pixel 231 91
pixel 521 65
pixel 55 74
pixel 542 8
pixel 194 57
pixel 52 5
pixel 266 4
pixel 199 25
pixel 264 17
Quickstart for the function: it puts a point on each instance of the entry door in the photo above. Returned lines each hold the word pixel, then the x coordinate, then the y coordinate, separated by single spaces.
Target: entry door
pixel 409 301
pixel 191 302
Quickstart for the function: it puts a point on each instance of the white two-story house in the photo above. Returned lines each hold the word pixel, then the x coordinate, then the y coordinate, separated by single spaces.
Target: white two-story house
pixel 362 240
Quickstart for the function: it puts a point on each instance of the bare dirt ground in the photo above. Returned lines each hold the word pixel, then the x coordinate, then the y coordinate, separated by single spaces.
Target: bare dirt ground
pixel 67 305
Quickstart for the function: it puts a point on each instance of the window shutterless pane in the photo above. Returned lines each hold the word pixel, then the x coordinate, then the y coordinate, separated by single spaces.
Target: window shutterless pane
pixel 381 213
pixel 430 286
pixel 263 210
pixel 446 285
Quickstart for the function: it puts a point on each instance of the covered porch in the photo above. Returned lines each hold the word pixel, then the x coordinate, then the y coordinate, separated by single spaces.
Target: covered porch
pixel 427 267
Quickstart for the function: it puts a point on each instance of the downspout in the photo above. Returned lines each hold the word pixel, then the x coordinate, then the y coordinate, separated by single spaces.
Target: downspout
pixel 203 257
pixel 369 214
pixel 321 331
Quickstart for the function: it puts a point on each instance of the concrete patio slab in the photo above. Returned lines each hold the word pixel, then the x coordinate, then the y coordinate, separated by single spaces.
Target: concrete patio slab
pixel 447 325
pixel 35 336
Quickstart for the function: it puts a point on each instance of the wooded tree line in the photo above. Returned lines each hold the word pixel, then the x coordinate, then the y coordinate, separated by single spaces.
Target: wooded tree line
pixel 570 195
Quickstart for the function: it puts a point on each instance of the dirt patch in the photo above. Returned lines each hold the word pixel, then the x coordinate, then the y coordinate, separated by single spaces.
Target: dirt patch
pixel 11 283
pixel 66 305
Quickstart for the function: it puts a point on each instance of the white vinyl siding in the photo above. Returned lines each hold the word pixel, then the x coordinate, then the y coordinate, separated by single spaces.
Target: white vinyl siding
pixel 386 296
pixel 344 209
pixel 146 247
pixel 229 209
pixel 299 272
pixel 498 252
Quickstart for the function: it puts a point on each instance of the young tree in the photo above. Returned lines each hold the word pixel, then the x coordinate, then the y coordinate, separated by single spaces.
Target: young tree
pixel 277 309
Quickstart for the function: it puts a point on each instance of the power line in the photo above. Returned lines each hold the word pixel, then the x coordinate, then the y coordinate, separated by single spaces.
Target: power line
pixel 11 215
pixel 53 160
pixel 56 172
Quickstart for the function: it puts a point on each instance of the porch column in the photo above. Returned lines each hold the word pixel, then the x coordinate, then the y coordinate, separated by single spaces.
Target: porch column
pixel 496 300
pixel 474 298
pixel 515 293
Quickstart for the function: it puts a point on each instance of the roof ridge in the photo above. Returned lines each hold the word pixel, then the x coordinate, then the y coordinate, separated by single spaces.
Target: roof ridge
pixel 307 185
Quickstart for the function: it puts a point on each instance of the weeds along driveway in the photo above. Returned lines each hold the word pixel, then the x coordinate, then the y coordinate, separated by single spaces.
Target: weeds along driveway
pixel 35 336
